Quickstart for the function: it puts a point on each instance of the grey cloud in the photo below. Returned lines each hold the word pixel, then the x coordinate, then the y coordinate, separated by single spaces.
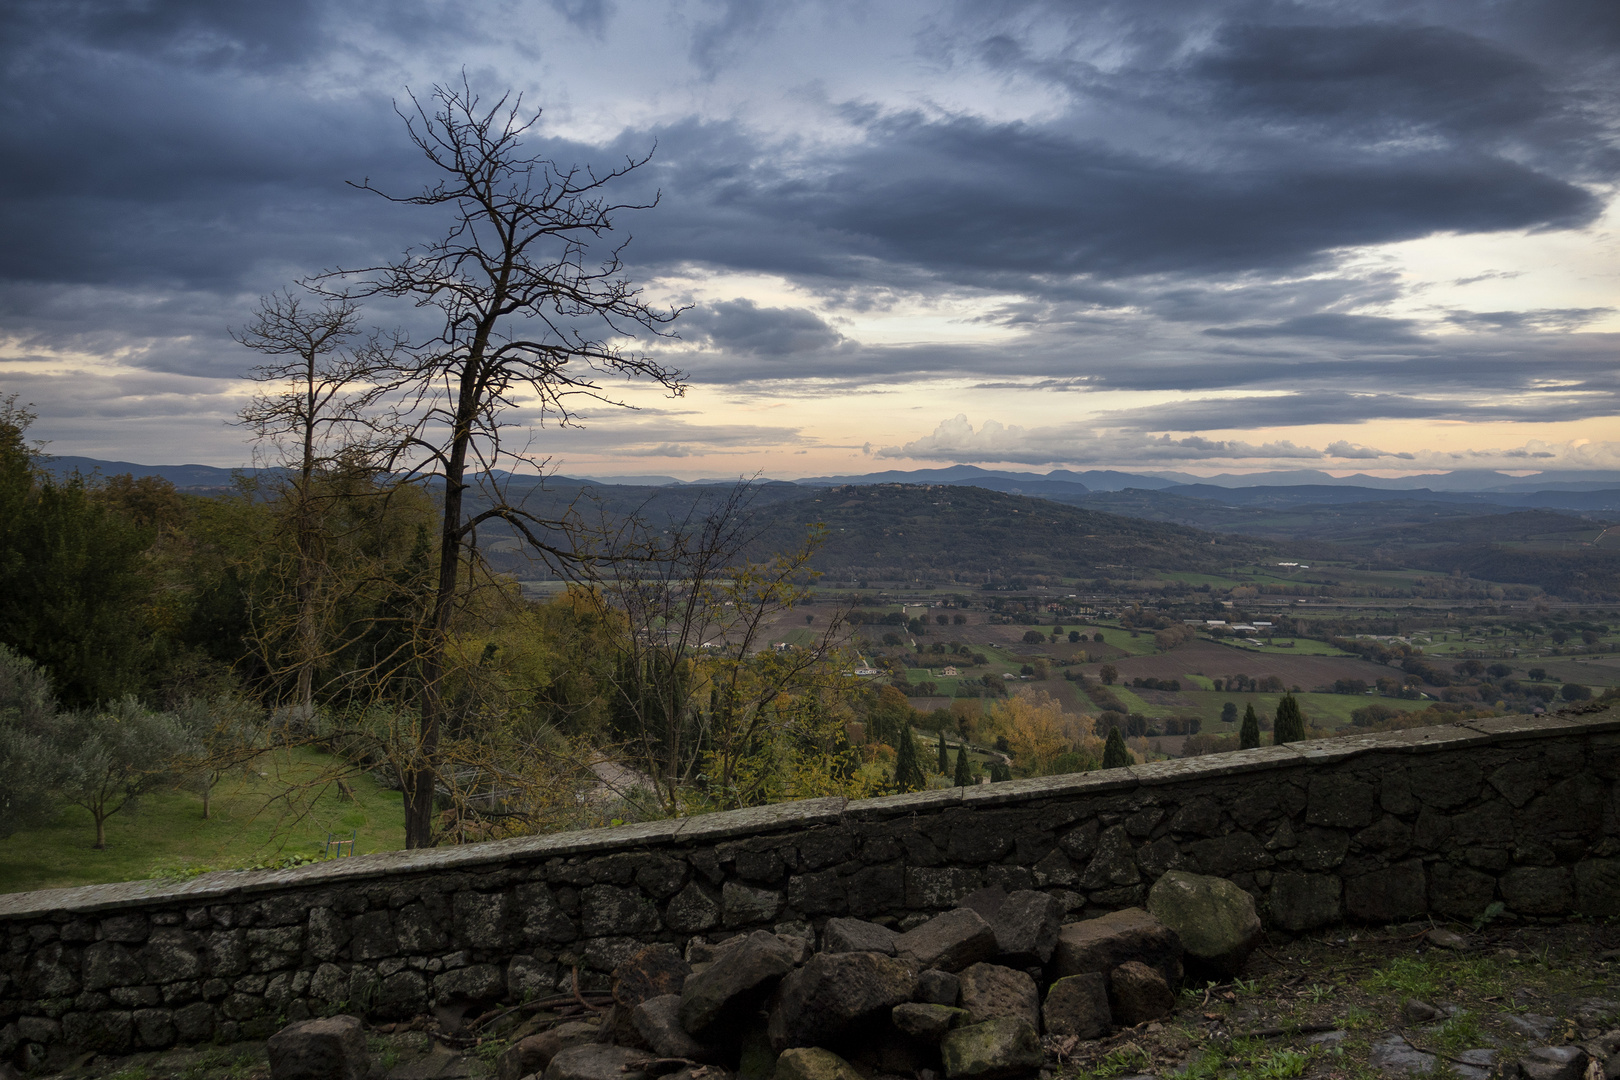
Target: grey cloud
pixel 745 327
pixel 1359 328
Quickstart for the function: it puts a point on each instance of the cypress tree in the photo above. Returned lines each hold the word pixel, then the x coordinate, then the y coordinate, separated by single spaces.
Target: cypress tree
pixel 1115 756
pixel 944 757
pixel 964 775
pixel 908 774
pixel 1249 735
pixel 1290 724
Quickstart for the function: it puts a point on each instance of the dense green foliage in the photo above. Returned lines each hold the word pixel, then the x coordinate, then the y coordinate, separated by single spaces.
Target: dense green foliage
pixel 1115 755
pixel 1249 734
pixel 1290 723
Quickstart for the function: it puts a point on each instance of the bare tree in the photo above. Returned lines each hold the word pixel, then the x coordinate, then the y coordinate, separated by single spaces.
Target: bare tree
pixel 319 409
pixel 531 304
pixel 687 612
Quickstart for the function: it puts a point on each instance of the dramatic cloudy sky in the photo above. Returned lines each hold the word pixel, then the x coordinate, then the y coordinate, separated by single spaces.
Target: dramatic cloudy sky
pixel 1210 236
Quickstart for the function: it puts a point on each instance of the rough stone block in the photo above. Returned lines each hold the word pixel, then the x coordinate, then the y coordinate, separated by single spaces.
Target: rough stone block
pixel 332 1048
pixel 1138 993
pixel 990 990
pixel 609 910
pixel 1388 895
pixel 938 987
pixel 857 935
pixel 928 1022
pixel 1597 887
pixel 836 994
pixel 1026 925
pixel 1538 890
pixel 1215 920
pixel 692 910
pixel 744 905
pixel 1299 902
pixel 596 1061
pixel 1078 1006
pixel 813 1063
pixel 950 941
pixel 1459 892
pixel 736 982
pixel 991 1050
pixel 658 1021
pixel 1554 1063
pixel 1104 943
pixel 1341 801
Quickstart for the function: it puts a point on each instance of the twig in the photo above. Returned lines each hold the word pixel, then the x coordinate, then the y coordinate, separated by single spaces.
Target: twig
pixel 579 997
pixel 1436 1053
pixel 543 1003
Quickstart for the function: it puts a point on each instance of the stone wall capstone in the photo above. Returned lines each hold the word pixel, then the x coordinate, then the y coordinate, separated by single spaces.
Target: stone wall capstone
pixel 1376 828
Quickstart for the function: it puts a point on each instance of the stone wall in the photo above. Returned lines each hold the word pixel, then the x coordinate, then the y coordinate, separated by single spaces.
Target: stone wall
pixel 1374 828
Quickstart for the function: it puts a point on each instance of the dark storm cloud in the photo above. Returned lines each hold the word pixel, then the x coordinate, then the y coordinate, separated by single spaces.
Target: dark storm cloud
pixel 1176 220
pixel 741 326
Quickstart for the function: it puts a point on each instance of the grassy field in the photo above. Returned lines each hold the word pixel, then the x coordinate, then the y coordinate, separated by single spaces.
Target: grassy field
pixel 168 831
pixel 1275 646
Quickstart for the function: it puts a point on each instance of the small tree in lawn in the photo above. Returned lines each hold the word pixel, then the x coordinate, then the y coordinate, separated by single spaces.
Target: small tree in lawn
pixel 30 762
pixel 224 734
pixel 944 755
pixel 1108 673
pixel 908 774
pixel 115 755
pixel 1290 723
pixel 1249 734
pixel 1229 712
pixel 964 770
pixel 1115 755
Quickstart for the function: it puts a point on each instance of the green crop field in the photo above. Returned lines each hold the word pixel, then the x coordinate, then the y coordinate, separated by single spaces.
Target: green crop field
pixel 1119 638
pixel 248 825
pixel 1272 646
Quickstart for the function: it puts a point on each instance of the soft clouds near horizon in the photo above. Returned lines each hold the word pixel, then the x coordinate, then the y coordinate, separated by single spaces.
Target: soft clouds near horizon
pixel 1225 235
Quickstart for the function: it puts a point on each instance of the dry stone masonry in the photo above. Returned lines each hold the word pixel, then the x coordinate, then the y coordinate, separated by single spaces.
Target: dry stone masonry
pixel 1379 828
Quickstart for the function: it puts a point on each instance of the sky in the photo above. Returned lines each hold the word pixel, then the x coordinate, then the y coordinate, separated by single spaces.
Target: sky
pixel 1215 236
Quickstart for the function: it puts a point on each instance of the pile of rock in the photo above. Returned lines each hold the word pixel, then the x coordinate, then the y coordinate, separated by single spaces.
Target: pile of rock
pixel 967 993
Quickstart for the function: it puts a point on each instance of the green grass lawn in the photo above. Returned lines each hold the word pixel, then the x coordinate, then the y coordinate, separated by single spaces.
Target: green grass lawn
pixel 168 831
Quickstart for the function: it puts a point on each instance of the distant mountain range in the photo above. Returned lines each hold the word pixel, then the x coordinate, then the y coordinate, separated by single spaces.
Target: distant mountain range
pixel 1165 496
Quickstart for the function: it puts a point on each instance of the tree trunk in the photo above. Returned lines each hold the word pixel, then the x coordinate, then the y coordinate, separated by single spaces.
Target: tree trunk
pixel 208 790
pixel 101 832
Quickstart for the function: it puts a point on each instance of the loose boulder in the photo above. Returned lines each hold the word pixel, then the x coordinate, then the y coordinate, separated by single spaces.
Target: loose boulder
pixel 835 995
pixel 1138 993
pixel 331 1048
pixel 996 1048
pixel 857 935
pixel 528 1056
pixel 1215 920
pixel 938 987
pixel 1078 1006
pixel 990 991
pixel 1104 943
pixel 1026 926
pixel 738 980
pixel 927 1022
pixel 814 1063
pixel 1554 1063
pixel 950 941
pixel 658 1021
pixel 652 972
pixel 596 1061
